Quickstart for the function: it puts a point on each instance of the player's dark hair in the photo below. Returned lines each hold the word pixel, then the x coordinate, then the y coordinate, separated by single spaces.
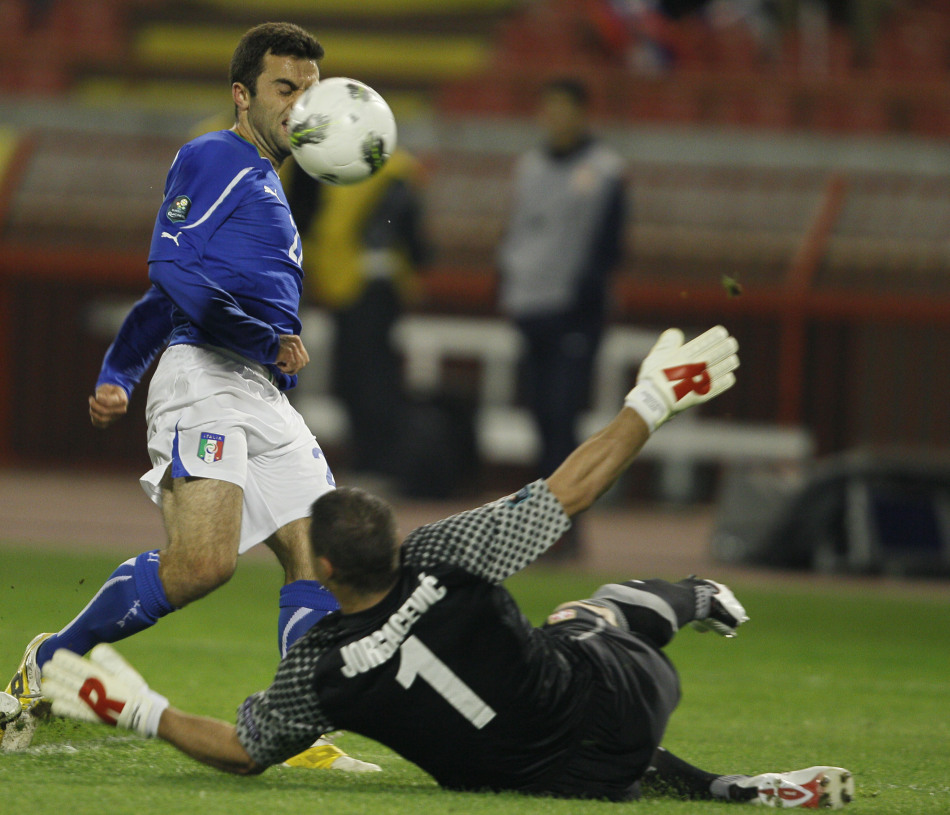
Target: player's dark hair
pixel 573 89
pixel 279 39
pixel 356 532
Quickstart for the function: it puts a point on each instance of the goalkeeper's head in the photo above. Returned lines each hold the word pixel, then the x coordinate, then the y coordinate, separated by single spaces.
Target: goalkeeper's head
pixel 356 534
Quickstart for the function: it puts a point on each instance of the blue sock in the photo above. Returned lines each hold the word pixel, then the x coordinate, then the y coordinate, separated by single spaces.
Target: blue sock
pixel 302 603
pixel 131 600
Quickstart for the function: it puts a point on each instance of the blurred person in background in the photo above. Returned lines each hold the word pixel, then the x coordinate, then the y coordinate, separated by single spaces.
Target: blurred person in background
pixel 363 247
pixel 563 239
pixel 234 465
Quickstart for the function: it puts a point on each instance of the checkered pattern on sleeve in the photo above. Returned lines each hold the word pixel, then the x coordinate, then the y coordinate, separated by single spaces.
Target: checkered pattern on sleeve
pixel 287 718
pixel 493 541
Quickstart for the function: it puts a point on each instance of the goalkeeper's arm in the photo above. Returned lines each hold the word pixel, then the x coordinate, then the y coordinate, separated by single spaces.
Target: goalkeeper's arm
pixel 210 741
pixel 673 377
pixel 107 689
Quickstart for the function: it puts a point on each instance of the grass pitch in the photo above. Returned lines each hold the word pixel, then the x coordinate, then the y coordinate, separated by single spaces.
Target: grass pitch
pixel 855 677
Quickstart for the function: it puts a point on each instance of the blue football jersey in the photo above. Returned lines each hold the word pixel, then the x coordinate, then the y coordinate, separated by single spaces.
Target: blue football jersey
pixel 224 263
pixel 225 249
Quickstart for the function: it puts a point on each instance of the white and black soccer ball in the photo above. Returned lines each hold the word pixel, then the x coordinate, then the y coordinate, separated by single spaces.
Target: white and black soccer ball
pixel 341 131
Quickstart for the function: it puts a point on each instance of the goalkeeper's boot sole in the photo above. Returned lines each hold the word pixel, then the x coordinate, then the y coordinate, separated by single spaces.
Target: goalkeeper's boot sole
pixel 813 788
pixel 25 687
pixel 324 755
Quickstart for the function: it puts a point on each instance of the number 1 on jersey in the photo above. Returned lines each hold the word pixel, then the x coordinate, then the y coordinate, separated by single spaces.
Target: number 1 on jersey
pixel 415 659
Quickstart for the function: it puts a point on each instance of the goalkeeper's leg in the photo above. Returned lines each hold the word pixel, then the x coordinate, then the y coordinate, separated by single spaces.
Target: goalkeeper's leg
pixel 669 775
pixel 819 787
pixel 657 609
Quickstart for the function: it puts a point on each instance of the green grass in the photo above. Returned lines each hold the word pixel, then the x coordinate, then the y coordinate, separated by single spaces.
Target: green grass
pixel 855 677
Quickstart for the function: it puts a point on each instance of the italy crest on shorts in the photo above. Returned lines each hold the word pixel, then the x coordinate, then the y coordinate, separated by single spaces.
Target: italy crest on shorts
pixel 210 448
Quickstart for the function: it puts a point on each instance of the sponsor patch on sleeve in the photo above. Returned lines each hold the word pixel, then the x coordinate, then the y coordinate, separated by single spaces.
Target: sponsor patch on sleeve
pixel 178 209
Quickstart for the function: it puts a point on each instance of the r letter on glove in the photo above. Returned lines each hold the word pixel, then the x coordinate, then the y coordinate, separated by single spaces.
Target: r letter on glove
pixel 674 376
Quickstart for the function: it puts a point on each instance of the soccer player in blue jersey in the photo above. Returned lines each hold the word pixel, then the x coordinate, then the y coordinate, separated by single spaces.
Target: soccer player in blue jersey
pixel 234 464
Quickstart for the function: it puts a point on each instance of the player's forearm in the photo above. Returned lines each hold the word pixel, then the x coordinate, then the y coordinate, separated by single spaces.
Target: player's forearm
pixel 598 462
pixel 143 333
pixel 207 740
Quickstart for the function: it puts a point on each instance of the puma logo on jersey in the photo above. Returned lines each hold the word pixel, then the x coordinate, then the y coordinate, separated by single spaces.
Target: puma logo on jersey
pixel 171 237
pixel 271 191
pixel 689 378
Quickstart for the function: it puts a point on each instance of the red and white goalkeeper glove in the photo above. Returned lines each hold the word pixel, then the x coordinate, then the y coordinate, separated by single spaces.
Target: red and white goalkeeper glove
pixel 675 376
pixel 103 688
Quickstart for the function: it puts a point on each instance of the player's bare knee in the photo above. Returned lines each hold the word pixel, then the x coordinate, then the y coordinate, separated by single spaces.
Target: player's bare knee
pixel 212 572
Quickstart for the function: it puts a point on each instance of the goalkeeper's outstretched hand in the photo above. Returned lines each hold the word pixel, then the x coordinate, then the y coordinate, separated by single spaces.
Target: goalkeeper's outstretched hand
pixel 674 376
pixel 103 688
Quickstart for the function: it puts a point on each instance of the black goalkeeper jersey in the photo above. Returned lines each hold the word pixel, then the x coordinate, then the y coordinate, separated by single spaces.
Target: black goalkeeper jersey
pixel 445 670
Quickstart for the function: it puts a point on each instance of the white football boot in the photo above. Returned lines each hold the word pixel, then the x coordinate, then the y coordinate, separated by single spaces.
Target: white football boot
pixel 813 788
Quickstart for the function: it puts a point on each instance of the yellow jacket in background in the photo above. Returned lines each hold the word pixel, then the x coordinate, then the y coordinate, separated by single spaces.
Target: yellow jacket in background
pixel 336 261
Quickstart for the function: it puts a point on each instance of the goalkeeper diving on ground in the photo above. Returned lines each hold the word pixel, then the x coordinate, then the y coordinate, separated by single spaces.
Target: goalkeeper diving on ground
pixel 430 655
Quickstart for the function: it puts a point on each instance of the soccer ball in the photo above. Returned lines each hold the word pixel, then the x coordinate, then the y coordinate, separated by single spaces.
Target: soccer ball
pixel 341 131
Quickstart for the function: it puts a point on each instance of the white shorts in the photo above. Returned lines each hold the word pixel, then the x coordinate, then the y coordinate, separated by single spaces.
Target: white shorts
pixel 215 415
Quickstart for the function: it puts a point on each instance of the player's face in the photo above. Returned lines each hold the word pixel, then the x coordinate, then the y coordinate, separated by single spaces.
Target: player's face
pixel 562 120
pixel 265 114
